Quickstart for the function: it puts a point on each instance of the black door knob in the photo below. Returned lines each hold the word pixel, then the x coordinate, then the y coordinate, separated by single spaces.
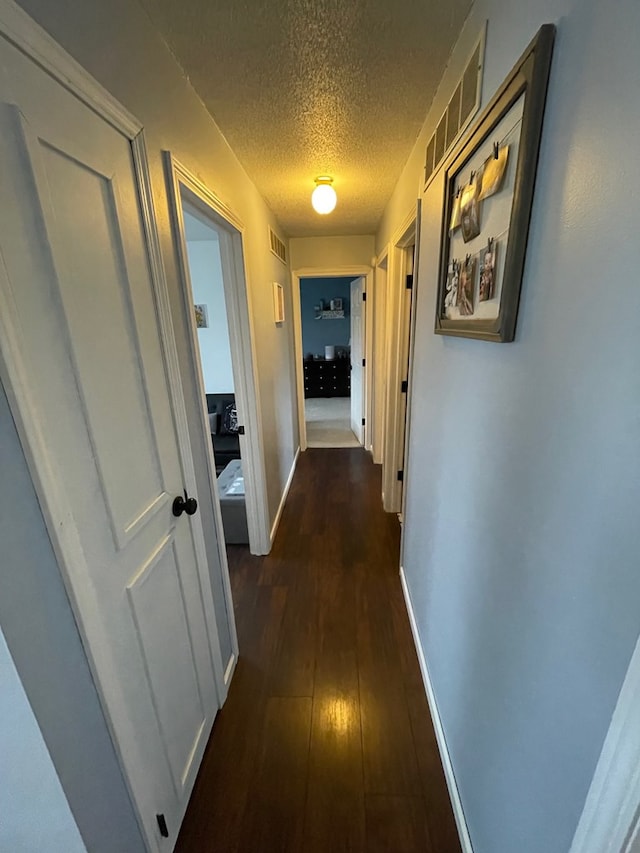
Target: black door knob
pixel 184 504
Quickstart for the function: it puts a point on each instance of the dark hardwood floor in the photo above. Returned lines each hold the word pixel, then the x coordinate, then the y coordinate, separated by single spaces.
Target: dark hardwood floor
pixel 325 743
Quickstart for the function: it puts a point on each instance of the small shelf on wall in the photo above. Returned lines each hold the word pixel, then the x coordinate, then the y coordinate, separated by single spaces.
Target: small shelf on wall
pixel 330 315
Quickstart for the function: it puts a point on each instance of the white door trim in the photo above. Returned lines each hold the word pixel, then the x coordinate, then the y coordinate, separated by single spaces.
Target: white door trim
pixel 610 821
pixel 243 354
pixel 330 272
pixel 361 432
pixel 396 319
pixel 20 30
pixel 412 343
pixel 378 360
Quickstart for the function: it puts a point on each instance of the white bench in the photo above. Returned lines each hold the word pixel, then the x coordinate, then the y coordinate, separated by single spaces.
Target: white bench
pixel 232 504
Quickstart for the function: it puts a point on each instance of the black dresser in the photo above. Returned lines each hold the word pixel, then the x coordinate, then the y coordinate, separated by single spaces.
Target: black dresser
pixel 327 378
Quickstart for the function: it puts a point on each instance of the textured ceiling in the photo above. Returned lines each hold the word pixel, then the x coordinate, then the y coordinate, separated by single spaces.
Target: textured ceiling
pixel 302 88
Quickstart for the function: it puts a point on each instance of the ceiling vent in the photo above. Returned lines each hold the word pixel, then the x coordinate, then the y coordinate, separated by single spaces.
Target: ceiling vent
pixel 277 246
pixel 463 105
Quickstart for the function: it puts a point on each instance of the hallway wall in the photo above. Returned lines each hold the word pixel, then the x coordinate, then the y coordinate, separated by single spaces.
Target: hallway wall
pixel 521 539
pixel 327 252
pixel 45 645
pixel 28 776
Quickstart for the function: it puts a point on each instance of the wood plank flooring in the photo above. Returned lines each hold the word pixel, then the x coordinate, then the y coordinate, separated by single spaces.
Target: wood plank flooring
pixel 325 744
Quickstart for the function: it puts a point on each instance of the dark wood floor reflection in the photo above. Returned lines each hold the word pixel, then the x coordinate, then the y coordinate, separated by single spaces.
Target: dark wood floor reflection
pixel 325 743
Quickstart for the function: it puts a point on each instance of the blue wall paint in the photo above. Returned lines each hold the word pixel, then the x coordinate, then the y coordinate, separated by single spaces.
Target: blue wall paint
pixel 523 485
pixel 316 334
pixel 42 636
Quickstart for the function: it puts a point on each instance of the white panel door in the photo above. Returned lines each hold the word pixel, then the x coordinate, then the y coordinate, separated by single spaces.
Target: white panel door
pixel 81 324
pixel 357 354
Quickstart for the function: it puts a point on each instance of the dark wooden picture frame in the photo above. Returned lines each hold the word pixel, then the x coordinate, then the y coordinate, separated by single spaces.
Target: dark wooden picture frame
pixel 522 96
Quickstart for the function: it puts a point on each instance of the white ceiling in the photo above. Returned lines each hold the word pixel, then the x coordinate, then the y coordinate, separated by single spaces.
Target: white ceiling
pixel 302 88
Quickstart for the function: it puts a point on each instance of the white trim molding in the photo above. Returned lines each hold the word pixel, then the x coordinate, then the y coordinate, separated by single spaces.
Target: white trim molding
pixel 283 500
pixel 610 821
pixel 454 794
pixel 231 668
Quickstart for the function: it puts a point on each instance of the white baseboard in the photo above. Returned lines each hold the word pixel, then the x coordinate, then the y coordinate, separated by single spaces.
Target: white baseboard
pixel 454 795
pixel 230 668
pixel 283 499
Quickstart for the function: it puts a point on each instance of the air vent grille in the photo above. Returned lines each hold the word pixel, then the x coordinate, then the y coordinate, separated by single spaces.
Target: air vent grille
pixel 277 246
pixel 462 107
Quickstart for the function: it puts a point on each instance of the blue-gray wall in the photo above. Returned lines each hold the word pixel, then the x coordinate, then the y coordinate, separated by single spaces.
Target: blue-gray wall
pixel 522 548
pixel 42 636
pixel 316 334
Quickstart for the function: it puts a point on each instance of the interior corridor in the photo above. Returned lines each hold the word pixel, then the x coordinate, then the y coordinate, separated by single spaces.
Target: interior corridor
pixel 325 742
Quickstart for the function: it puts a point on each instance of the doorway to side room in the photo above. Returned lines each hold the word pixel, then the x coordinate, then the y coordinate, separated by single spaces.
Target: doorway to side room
pixel 331 332
pixel 214 349
pixel 210 244
pixel 399 276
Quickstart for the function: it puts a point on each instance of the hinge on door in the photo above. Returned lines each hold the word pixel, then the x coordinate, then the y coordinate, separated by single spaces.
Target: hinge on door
pixel 364 362
pixel 240 430
pixel 400 476
pixel 364 296
pixel 162 826
pixel 404 386
pixel 409 281
pixel 363 422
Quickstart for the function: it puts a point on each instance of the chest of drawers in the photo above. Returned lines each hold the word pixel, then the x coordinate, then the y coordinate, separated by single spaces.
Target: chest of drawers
pixel 327 378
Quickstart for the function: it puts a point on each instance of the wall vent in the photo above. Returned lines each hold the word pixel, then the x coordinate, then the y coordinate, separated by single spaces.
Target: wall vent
pixel 462 107
pixel 277 246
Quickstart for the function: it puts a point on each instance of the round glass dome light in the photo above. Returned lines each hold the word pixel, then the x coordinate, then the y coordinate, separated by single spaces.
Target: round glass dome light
pixel 324 198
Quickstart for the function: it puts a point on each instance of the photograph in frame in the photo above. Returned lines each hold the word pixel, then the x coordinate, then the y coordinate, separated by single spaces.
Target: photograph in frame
pixel 482 262
pixel 202 316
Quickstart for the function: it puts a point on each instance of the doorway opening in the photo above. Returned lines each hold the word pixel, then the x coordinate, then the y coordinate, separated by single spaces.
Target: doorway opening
pixel 210 244
pixel 399 273
pixel 330 336
pixel 326 318
pixel 205 270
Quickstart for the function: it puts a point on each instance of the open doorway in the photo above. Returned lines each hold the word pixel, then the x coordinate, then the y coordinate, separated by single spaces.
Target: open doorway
pixel 210 244
pixel 332 341
pixel 207 284
pixel 399 277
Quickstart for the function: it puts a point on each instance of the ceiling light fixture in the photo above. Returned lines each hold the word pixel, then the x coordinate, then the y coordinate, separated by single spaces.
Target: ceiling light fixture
pixel 324 198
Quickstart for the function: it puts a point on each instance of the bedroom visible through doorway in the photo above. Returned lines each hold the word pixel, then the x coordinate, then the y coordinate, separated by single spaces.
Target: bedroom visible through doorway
pixel 326 323
pixel 207 282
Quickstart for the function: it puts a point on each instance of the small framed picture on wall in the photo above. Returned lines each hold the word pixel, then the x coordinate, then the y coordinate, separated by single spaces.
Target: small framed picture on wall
pixel 278 303
pixel 202 316
pixel 489 185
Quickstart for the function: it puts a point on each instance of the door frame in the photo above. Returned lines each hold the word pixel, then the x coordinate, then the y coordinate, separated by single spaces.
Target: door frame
pixel 397 326
pixel 331 272
pixel 183 183
pixel 379 349
pixel 36 44
pixel 364 412
pixel 610 819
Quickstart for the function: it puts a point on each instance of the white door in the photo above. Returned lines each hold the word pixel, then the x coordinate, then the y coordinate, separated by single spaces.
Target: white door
pixel 405 348
pixel 83 355
pixel 357 355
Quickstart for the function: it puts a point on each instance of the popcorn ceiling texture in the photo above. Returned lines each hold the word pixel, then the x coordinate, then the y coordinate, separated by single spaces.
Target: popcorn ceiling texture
pixel 302 88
